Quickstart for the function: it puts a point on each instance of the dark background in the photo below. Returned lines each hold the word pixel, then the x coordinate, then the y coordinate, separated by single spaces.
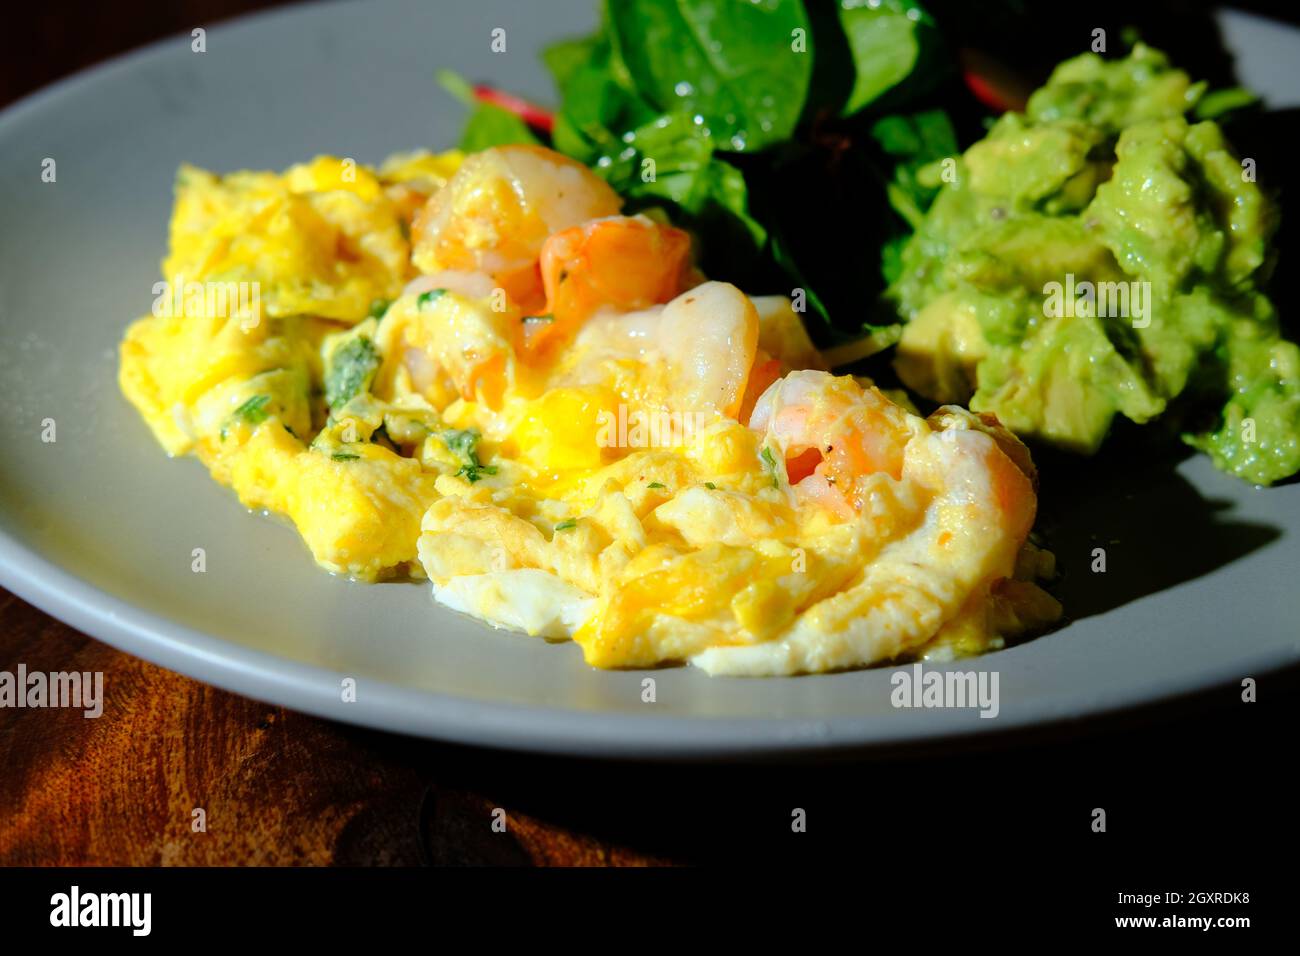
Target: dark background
pixel 1198 792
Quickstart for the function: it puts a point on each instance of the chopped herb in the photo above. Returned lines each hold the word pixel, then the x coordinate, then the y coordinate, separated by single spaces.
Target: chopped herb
pixel 463 443
pixel 473 473
pixel 566 525
pixel 253 411
pixel 655 484
pixel 769 460
pixel 378 308
pixel 711 486
pixel 433 295
pixel 539 318
pixel 350 369
pixel 344 456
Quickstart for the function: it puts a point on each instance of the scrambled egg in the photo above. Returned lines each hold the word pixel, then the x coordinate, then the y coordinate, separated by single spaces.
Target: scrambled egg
pixel 475 369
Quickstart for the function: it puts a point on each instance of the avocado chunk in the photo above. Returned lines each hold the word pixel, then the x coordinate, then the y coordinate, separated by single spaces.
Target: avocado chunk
pixel 1099 255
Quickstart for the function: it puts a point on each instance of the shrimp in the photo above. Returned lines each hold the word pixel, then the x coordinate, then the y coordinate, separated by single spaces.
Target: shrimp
pixel 496 212
pixel 974 505
pixel 831 432
pixel 709 339
pixel 619 262
pixel 451 345
pixel 698 351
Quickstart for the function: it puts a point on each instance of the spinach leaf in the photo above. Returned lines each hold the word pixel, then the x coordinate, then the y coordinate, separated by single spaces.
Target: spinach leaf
pixel 490 126
pixel 566 57
pixel 596 106
pixel 884 39
pixel 740 66
pixel 914 141
pixel 672 161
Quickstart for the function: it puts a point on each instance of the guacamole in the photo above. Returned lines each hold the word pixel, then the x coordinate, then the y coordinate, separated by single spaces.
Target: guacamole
pixel 1101 255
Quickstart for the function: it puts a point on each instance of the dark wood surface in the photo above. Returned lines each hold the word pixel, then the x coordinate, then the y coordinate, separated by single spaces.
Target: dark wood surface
pixel 282 788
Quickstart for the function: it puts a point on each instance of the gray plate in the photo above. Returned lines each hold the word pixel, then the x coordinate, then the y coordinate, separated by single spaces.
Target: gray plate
pixel 97 528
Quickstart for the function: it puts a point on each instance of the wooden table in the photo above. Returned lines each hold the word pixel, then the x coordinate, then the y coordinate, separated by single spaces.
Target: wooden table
pixel 278 787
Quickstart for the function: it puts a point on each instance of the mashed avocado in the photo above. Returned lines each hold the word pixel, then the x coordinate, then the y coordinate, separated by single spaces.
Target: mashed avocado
pixel 1098 255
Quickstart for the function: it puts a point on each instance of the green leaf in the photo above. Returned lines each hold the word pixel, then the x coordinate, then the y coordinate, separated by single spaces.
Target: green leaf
pixel 351 366
pixel 457 86
pixel 566 525
pixel 343 456
pixel 566 57
pixel 917 141
pixel 734 64
pixel 424 298
pixel 595 105
pixel 490 125
pixel 708 193
pixel 884 40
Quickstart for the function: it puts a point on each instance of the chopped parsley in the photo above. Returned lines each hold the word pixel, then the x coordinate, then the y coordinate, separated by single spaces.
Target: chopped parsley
pixel 566 525
pixel 656 484
pixel 539 318
pixel 463 443
pixel 433 295
pixel 350 369
pixel 344 456
pixel 769 462
pixel 378 308
pixel 711 486
pixel 473 473
pixel 253 411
